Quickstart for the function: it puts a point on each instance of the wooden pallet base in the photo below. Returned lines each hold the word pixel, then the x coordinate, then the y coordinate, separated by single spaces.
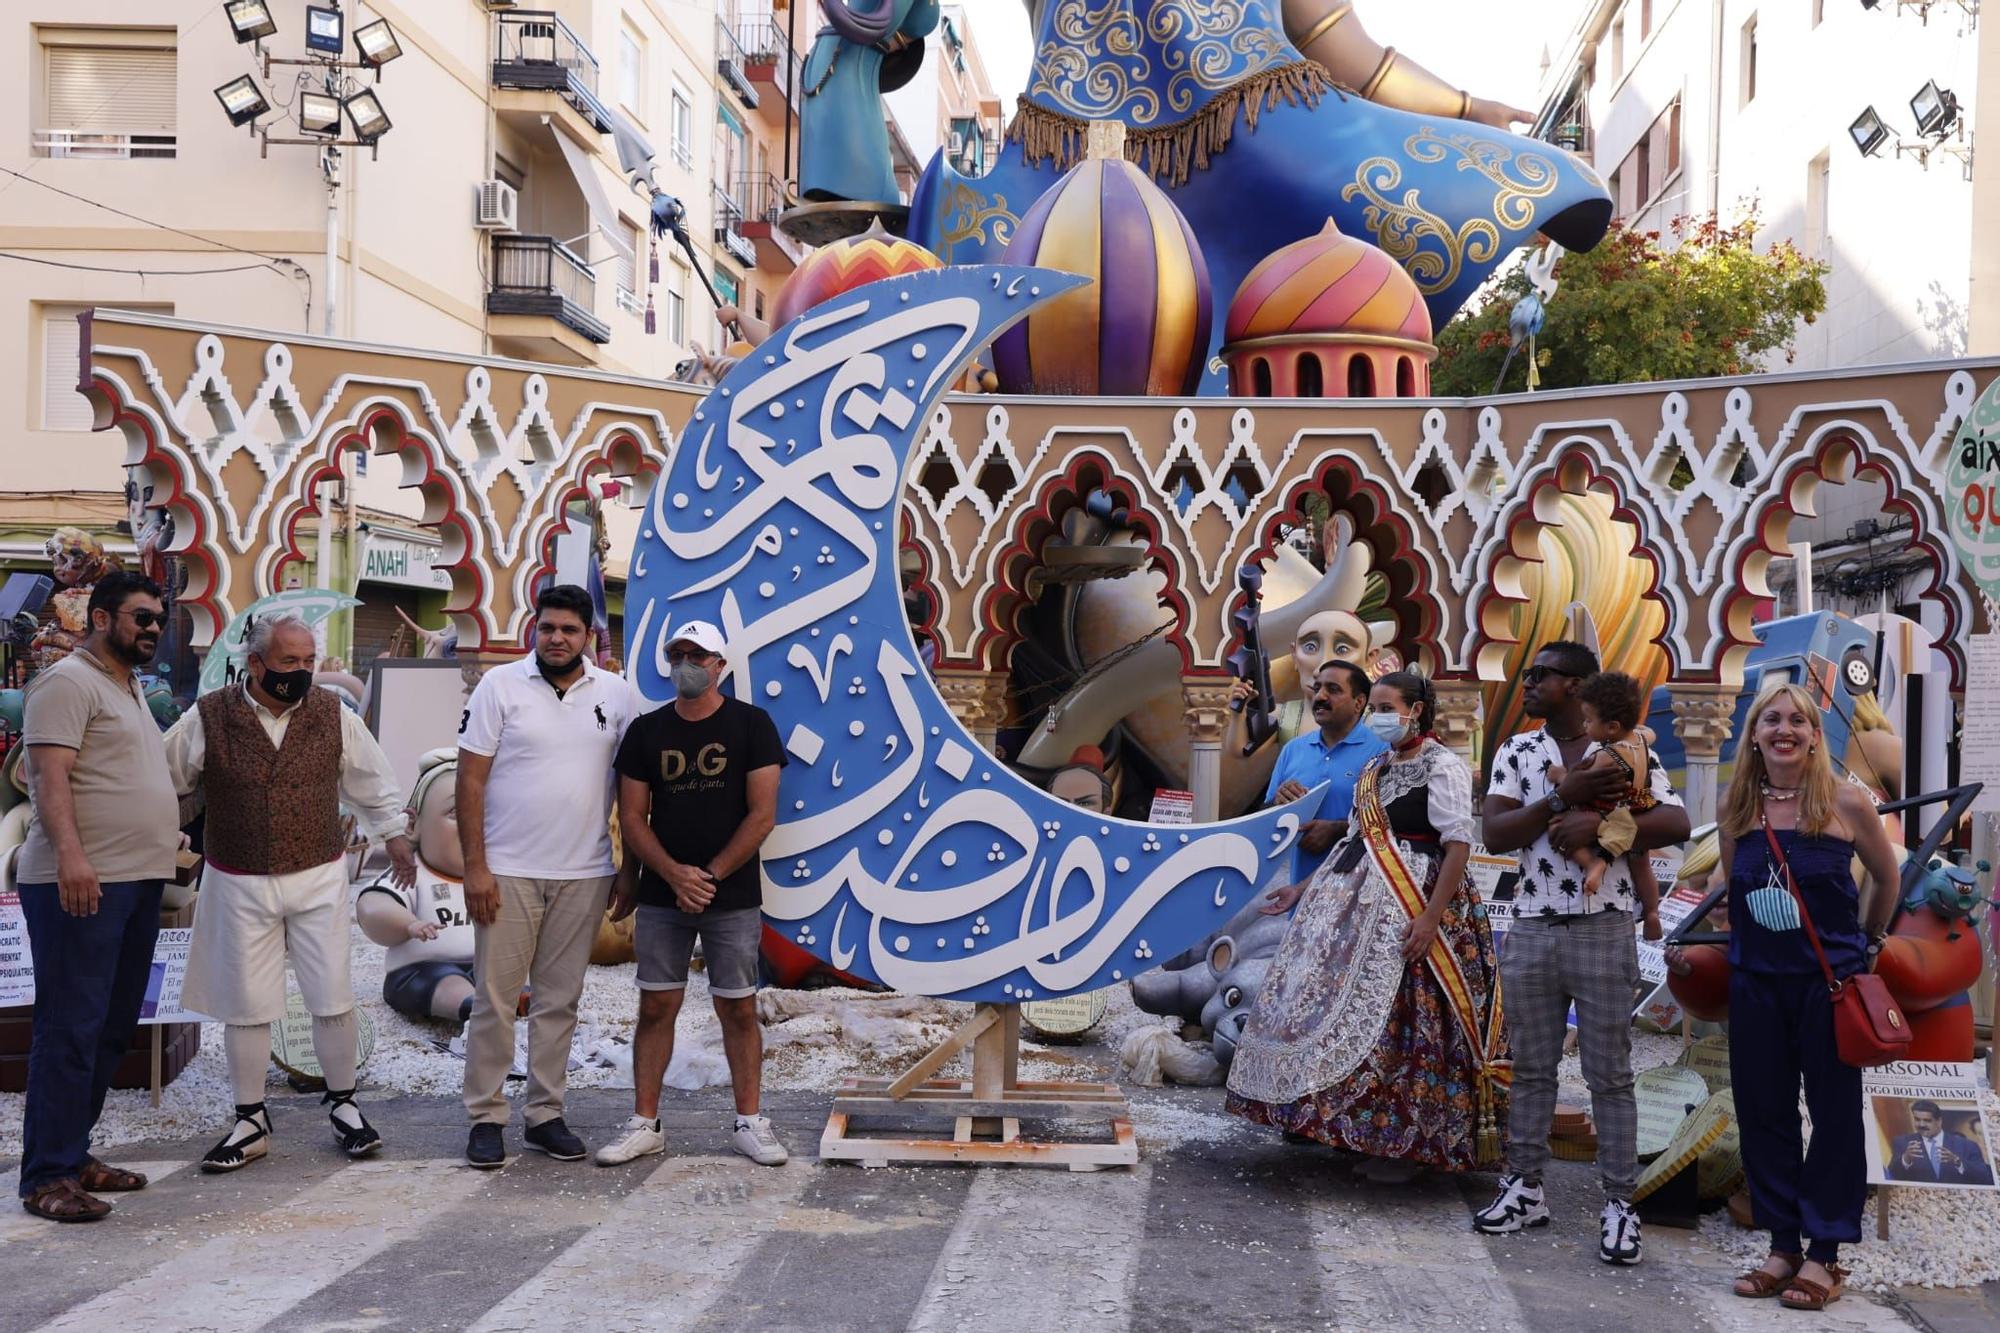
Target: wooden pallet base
pixel 984 1115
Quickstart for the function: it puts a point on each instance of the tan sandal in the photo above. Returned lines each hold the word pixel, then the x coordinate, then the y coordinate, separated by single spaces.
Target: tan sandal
pixel 1805 1294
pixel 1765 1285
pixel 64 1201
pixel 98 1178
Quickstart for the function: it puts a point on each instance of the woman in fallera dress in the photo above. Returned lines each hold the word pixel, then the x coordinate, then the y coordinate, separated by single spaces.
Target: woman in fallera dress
pixel 1378 1029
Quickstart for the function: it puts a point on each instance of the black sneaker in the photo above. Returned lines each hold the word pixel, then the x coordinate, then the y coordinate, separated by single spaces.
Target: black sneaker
pixel 554 1138
pixel 486 1149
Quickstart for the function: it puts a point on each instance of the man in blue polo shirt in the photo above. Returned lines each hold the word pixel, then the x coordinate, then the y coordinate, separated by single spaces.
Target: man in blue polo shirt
pixel 1334 754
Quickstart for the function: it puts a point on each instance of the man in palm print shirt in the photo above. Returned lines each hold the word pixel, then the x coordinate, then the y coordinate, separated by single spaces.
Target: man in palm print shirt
pixel 1568 947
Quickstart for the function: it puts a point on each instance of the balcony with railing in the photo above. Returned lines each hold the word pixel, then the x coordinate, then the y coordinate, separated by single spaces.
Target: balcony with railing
pixel 120 145
pixel 732 63
pixel 764 200
pixel 535 51
pixel 774 69
pixel 729 228
pixel 540 277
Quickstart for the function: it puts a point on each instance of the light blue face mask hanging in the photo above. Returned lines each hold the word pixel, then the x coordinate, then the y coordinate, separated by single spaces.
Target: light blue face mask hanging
pixel 1773 906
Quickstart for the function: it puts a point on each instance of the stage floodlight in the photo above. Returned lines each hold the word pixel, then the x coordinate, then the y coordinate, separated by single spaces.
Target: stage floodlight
pixel 319 113
pixel 249 19
pixel 370 121
pixel 326 29
pixel 242 100
pixel 1935 109
pixel 1868 132
pixel 377 43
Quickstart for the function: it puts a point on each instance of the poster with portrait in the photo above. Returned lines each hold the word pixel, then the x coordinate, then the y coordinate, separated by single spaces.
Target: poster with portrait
pixel 1926 1127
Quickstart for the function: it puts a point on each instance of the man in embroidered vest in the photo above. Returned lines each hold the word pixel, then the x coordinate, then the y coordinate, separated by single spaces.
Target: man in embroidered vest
pixel 273 759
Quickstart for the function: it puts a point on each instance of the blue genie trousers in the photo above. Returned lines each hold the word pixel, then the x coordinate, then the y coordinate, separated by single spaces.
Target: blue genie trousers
pixel 1781 1034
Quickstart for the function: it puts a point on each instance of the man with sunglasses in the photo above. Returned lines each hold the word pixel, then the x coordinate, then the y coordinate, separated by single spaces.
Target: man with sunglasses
pixel 534 790
pixel 102 834
pixel 1568 947
pixel 697 795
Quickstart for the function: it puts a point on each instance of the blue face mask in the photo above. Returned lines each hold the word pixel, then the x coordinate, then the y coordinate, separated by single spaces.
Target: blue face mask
pixel 1390 728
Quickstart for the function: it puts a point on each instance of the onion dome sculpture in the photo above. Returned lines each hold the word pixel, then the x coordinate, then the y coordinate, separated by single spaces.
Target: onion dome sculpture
pixel 1329 317
pixel 1141 327
pixel 844 265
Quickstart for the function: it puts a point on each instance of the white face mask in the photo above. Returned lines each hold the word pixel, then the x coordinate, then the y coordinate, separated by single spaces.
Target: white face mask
pixel 1390 728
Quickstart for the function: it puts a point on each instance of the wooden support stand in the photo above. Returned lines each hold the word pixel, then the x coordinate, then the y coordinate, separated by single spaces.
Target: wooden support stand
pixel 985 1114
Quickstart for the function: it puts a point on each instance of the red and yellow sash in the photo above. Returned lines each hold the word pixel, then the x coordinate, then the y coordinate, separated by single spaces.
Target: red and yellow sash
pixel 1486 1039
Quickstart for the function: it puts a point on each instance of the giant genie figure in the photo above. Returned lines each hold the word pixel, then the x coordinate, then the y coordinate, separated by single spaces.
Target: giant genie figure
pixel 1287 102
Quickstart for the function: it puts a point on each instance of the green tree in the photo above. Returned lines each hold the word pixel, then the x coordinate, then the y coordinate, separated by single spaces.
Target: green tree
pixel 1708 302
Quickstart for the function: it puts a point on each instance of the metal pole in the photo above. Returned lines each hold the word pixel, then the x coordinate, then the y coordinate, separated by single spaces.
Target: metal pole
pixel 794 71
pixel 329 162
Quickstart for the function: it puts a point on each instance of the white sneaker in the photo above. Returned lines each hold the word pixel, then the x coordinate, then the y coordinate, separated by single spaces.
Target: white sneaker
pixel 1618 1233
pixel 755 1139
pixel 642 1138
pixel 1518 1205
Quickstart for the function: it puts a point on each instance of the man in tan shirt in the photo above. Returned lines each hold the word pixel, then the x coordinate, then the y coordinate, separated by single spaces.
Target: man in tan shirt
pixel 101 840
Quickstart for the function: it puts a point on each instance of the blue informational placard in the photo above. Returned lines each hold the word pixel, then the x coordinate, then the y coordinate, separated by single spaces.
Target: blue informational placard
pixel 903 852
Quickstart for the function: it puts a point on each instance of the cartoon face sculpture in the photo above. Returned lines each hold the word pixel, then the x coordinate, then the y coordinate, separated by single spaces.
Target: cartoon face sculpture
pixel 434 819
pixel 1329 636
pixel 1082 782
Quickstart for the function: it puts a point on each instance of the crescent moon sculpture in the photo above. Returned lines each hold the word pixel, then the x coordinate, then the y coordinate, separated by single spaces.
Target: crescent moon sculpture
pixel 903 852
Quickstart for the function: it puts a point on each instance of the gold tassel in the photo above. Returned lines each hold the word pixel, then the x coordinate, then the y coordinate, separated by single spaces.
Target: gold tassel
pixel 1174 152
pixel 1488 1149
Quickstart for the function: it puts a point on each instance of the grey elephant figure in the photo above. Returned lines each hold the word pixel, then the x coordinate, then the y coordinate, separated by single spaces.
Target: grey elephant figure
pixel 1216 982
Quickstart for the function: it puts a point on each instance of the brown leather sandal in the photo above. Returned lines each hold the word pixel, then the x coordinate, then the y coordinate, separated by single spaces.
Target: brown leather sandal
pixel 1765 1285
pixel 1805 1294
pixel 98 1178
pixel 64 1201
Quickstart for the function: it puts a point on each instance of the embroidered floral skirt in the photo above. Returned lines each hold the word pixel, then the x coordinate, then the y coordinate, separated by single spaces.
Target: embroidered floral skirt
pixel 1415 1092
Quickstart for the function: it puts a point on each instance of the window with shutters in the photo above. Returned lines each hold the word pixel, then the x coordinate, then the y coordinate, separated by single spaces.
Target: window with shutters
pixel 106 93
pixel 63 408
pixel 682 127
pixel 628 268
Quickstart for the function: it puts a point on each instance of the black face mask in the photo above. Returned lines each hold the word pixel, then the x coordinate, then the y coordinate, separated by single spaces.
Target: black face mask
pixel 287 687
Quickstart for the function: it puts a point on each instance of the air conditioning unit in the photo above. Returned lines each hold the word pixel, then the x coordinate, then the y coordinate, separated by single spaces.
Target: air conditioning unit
pixel 957 143
pixel 498 207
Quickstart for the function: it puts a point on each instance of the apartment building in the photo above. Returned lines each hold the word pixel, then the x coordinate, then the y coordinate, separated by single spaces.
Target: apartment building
pixel 1804 109
pixel 144 163
pixel 489 217
pixel 951 103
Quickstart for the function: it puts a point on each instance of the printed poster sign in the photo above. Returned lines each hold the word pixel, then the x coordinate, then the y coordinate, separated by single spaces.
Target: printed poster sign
pixel 17 968
pixel 1926 1127
pixel 163 987
pixel 1972 490
pixel 1979 737
pixel 1172 807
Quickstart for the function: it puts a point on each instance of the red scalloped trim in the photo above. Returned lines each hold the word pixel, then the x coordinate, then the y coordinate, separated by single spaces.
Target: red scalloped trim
pixel 165 468
pixel 1004 597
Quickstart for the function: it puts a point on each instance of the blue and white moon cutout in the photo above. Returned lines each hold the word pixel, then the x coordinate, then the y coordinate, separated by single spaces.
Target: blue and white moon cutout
pixel 903 852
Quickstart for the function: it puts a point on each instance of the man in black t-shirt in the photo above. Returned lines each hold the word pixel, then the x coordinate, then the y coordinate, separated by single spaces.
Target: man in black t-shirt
pixel 697 795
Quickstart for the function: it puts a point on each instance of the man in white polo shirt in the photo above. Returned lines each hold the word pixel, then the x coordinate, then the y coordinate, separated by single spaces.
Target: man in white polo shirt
pixel 534 820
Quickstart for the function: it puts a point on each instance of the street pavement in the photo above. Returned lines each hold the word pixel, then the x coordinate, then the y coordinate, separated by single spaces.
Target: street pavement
pixel 1242 1232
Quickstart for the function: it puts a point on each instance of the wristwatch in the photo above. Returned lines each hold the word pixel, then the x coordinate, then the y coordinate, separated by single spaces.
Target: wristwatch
pixel 1557 805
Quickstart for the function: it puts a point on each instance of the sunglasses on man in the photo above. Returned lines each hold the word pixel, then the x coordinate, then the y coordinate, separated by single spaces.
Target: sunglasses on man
pixel 144 618
pixel 1538 673
pixel 676 656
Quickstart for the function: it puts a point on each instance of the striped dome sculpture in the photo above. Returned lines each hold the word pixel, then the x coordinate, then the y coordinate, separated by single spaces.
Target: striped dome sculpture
pixel 835 269
pixel 1328 317
pixel 1141 327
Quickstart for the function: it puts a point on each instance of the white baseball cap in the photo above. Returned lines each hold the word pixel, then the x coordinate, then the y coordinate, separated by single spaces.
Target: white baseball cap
pixel 699 633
